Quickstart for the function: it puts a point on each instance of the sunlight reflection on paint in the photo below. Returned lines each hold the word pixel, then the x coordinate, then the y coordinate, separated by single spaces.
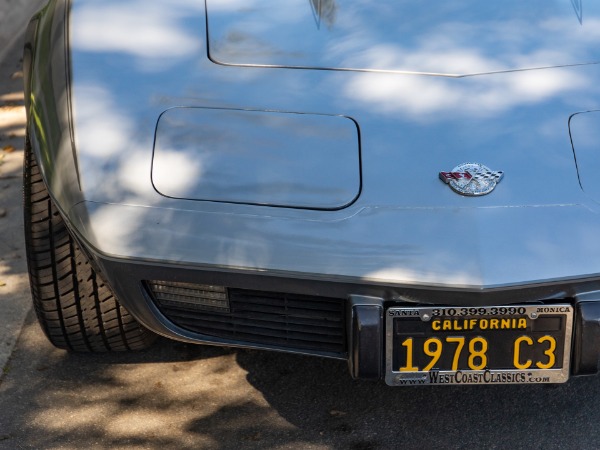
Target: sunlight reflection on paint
pixel 100 124
pixel 178 172
pixel 108 139
pixel 138 28
pixel 414 96
pixel 456 38
pixel 456 278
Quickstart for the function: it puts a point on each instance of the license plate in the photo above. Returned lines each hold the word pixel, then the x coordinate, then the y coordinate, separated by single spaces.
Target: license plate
pixel 519 344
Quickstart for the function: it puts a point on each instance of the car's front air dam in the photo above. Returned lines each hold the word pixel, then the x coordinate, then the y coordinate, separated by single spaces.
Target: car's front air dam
pixel 365 308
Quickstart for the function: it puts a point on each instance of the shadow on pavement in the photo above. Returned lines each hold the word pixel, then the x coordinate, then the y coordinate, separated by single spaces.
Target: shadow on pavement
pixel 14 285
pixel 187 397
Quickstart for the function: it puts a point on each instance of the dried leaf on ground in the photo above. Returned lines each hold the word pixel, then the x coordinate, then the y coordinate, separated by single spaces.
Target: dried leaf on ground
pixel 8 148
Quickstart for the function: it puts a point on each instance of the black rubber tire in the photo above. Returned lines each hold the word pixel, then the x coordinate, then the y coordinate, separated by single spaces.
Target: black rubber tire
pixel 76 309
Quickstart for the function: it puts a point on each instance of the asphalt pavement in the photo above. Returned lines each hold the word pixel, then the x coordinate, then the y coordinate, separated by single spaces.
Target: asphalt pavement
pixel 14 287
pixel 14 15
pixel 179 396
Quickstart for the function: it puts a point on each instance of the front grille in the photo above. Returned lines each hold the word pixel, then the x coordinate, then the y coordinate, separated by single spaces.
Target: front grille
pixel 196 296
pixel 295 322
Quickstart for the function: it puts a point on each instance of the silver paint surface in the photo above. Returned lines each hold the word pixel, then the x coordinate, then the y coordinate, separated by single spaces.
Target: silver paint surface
pixel 133 60
pixel 445 38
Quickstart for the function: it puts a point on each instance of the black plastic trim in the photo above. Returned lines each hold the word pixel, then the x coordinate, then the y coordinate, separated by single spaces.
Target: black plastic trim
pixel 366 337
pixel 586 345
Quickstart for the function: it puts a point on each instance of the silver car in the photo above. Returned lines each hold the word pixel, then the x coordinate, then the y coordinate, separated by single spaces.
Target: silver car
pixel 409 186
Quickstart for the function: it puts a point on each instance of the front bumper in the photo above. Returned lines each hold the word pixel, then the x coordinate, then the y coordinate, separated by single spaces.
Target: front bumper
pixel 327 319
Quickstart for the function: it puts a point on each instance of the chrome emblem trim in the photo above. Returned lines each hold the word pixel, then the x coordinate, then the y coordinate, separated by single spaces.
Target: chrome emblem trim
pixel 472 179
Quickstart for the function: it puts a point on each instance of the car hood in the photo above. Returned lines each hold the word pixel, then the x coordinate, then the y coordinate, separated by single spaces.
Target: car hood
pixel 405 225
pixel 445 38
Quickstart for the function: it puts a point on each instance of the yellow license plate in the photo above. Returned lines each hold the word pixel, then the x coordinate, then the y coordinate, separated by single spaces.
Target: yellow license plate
pixel 516 344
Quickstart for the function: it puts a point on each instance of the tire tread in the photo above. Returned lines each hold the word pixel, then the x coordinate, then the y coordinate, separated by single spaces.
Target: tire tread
pixel 76 309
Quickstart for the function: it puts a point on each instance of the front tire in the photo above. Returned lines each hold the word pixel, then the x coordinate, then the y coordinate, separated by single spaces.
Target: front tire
pixel 75 308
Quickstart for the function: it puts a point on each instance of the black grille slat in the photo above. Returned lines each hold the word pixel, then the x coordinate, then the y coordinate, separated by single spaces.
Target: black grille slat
pixel 291 321
pixel 290 312
pixel 263 336
pixel 258 325
pixel 270 333
pixel 312 328
pixel 309 305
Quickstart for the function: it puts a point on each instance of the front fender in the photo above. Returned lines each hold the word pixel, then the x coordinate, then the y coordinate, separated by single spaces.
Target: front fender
pixel 47 101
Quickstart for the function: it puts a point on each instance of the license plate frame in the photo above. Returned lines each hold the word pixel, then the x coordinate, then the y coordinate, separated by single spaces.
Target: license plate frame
pixel 419 325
